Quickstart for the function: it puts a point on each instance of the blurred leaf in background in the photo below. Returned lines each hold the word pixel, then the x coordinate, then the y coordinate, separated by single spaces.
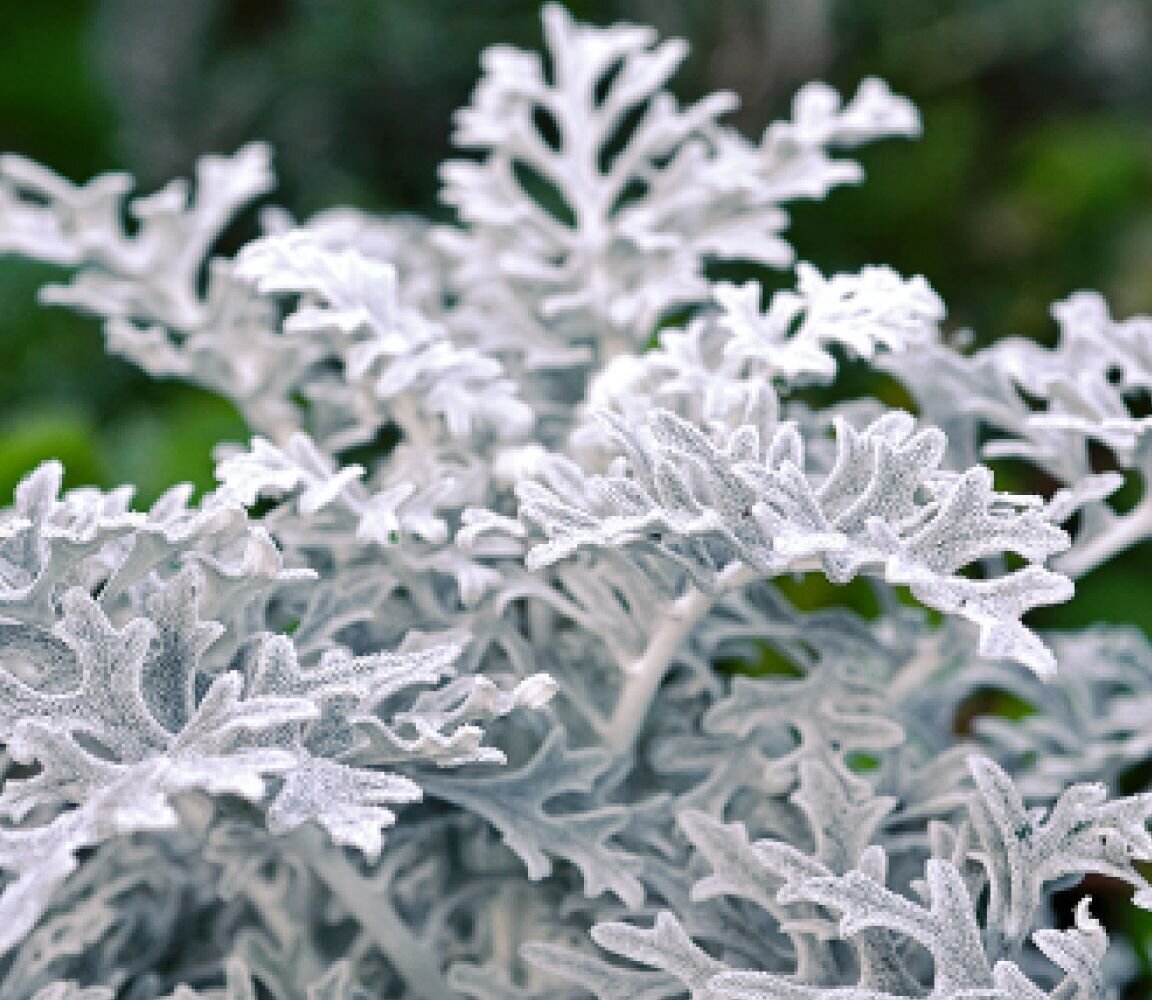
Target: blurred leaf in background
pixel 61 396
pixel 1033 177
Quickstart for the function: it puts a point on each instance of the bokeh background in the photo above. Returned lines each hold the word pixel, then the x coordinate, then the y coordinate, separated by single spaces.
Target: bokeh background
pixel 1033 177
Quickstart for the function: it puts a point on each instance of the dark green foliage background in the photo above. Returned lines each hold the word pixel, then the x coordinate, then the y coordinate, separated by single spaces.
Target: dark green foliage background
pixel 1033 178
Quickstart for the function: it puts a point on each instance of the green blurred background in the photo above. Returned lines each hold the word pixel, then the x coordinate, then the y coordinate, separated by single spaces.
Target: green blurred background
pixel 1033 178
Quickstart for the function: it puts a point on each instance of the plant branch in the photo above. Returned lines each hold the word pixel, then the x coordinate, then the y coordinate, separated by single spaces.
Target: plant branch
pixel 407 954
pixel 1121 533
pixel 643 676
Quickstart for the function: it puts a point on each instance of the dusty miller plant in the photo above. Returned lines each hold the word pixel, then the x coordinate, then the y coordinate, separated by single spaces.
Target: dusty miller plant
pixel 504 568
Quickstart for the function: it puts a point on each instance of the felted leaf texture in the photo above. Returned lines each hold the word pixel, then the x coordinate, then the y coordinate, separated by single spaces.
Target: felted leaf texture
pixel 886 506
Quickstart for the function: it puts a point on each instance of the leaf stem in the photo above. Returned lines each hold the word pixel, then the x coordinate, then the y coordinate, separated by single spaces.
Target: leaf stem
pixel 410 957
pixel 643 676
pixel 1122 533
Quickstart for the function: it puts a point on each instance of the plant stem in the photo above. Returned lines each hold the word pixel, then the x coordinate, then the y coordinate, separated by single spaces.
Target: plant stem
pixel 410 957
pixel 407 415
pixel 643 676
pixel 918 670
pixel 1122 533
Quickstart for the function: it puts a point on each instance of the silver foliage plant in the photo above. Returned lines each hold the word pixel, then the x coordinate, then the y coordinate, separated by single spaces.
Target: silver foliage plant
pixel 505 568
